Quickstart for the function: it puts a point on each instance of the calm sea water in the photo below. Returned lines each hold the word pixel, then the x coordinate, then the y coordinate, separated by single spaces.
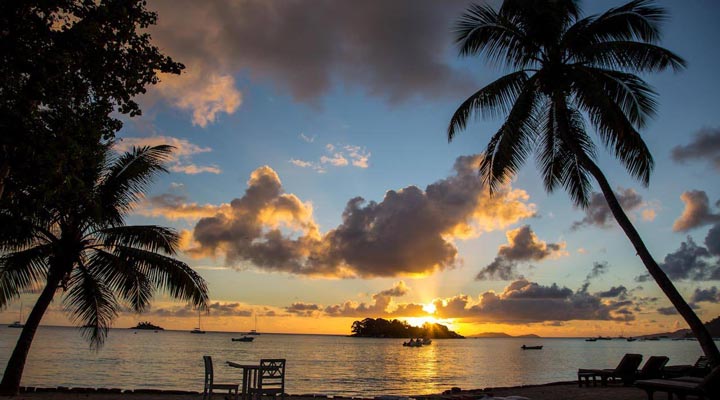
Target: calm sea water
pixel 318 364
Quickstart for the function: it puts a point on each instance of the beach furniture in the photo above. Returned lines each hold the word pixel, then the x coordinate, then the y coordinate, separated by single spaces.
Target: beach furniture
pixel 269 379
pixel 706 389
pixel 210 384
pixel 699 369
pixel 653 368
pixel 625 371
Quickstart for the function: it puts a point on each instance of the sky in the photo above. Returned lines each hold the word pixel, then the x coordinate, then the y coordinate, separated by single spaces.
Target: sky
pixel 314 185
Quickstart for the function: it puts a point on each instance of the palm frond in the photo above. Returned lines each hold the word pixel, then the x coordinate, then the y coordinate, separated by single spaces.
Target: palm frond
pixel 483 31
pixel 127 177
pixel 576 179
pixel 510 146
pixel 123 278
pixel 147 237
pixel 631 56
pixel 22 270
pixel 613 127
pixel 168 274
pixel 494 99
pixel 90 304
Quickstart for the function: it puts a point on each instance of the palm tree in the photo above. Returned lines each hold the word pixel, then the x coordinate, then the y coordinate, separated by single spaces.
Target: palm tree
pixel 568 67
pixel 80 244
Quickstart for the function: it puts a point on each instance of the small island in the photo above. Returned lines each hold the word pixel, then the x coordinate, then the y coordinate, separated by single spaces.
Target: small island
pixel 148 326
pixel 382 328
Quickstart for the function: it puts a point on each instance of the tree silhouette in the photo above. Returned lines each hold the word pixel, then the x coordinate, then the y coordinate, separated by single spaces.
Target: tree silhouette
pixel 565 67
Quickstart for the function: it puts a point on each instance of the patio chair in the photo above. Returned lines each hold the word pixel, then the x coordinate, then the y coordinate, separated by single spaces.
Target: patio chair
pixel 210 384
pixel 625 371
pixel 708 388
pixel 699 369
pixel 653 368
pixel 270 379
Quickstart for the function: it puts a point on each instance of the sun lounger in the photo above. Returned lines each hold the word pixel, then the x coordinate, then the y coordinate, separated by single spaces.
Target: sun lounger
pixel 625 371
pixel 699 369
pixel 708 388
pixel 653 368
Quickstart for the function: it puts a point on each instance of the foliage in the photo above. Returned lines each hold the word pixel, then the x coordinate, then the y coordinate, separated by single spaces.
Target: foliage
pixel 370 327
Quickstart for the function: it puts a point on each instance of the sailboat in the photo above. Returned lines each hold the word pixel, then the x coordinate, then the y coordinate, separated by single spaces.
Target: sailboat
pixel 18 324
pixel 254 331
pixel 198 329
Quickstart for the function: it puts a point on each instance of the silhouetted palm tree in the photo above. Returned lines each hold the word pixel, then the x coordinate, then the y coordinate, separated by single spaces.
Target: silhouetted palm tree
pixel 83 247
pixel 567 67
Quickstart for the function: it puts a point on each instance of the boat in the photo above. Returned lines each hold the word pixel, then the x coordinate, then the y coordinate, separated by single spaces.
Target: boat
pixel 592 339
pixel 18 324
pixel 631 339
pixel 198 330
pixel 531 347
pixel 413 343
pixel 426 341
pixel 254 332
pixel 243 339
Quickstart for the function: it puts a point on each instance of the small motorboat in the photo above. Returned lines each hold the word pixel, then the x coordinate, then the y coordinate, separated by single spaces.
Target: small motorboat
pixel 243 339
pixel 631 339
pixel 413 343
pixel 531 347
pixel 198 331
pixel 426 341
pixel 592 339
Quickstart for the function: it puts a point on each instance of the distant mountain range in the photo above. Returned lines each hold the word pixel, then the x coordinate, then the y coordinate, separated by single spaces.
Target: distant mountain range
pixel 713 326
pixel 501 335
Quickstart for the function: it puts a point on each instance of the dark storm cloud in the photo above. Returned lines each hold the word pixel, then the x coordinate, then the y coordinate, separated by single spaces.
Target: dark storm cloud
pixel 705 146
pixel 523 245
pixel 529 302
pixel 409 232
pixel 598 213
pixel 710 295
pixel 696 213
pixel 392 49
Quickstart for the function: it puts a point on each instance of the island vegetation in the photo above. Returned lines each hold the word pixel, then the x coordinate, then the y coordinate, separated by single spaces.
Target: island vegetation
pixel 382 328
pixel 147 325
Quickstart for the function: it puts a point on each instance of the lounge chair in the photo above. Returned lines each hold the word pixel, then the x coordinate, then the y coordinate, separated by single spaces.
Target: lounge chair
pixel 270 379
pixel 653 368
pixel 699 369
pixel 210 384
pixel 708 388
pixel 626 370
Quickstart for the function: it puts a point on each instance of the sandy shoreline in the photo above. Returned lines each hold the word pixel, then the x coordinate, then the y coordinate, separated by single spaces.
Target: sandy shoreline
pixel 549 391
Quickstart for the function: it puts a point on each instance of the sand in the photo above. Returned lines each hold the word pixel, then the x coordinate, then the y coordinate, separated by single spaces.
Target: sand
pixel 553 391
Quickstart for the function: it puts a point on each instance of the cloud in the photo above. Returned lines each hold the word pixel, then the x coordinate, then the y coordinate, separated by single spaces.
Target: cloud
pixel 204 92
pixel 693 262
pixel 306 139
pixel 598 213
pixel 409 232
pixel 523 302
pixel 181 156
pixel 620 292
pixel 710 295
pixel 303 309
pixel 523 245
pixel 696 213
pixel 346 155
pixel 599 268
pixel 393 50
pixel 381 306
pixel 175 207
pixel 705 145
pixel 215 309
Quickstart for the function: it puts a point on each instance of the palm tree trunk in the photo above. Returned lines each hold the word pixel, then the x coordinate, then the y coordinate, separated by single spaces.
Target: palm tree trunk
pixel 10 385
pixel 666 285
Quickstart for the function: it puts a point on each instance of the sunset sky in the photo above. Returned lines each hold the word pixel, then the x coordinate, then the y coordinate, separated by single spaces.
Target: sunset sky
pixel 314 184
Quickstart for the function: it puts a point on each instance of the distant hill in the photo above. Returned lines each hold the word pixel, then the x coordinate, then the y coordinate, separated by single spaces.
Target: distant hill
pixel 713 326
pixel 502 335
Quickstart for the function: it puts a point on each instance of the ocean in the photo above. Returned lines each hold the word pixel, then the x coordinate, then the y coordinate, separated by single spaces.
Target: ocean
pixel 331 365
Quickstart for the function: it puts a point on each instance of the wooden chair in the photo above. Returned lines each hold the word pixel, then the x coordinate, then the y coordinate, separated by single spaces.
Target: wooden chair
pixel 708 388
pixel 210 384
pixel 270 379
pixel 625 371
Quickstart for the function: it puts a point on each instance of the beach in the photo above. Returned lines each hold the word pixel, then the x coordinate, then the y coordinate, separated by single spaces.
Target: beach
pixel 550 391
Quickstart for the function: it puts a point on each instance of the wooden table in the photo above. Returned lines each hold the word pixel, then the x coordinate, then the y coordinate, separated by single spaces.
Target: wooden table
pixel 249 375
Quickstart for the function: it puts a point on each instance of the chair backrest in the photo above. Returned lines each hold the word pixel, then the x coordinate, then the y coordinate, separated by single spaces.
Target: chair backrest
pixel 629 364
pixel 653 367
pixel 208 370
pixel 702 362
pixel 272 374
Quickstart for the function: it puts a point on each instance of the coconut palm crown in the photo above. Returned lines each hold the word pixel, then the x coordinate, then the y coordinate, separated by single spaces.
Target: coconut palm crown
pixel 79 244
pixel 571 73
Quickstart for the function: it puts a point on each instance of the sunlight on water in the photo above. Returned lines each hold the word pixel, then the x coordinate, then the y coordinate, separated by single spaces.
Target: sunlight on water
pixel 318 364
